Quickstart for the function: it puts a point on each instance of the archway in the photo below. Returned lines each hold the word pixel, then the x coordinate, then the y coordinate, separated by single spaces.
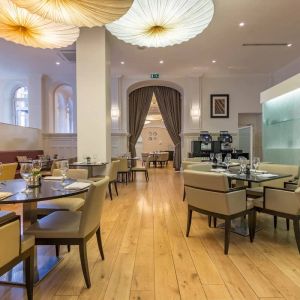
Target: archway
pixel 169 103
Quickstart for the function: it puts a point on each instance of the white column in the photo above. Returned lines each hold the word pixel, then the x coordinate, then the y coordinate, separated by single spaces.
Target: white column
pixel 93 94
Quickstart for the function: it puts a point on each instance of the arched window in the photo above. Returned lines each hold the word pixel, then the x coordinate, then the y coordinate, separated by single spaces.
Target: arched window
pixel 20 101
pixel 64 109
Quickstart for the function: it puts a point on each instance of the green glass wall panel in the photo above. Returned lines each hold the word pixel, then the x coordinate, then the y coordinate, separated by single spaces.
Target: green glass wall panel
pixel 281 129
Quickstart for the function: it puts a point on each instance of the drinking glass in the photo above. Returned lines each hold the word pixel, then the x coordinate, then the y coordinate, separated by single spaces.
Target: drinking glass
pixel 219 158
pixel 36 166
pixel 256 162
pixel 26 171
pixel 64 168
pixel 243 164
pixel 227 161
pixel 211 156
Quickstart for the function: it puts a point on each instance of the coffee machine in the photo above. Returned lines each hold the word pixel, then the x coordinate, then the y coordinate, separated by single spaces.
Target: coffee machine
pixel 226 140
pixel 206 141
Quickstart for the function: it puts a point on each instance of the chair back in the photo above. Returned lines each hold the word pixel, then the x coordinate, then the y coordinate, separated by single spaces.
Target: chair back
pixel 210 191
pixel 202 167
pixel 92 209
pixel 9 238
pixel 123 164
pixel 76 174
pixel 8 171
pixel 113 170
pixel 145 156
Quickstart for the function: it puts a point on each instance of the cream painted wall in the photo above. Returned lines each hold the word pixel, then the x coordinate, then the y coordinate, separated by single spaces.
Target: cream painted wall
pixel 20 138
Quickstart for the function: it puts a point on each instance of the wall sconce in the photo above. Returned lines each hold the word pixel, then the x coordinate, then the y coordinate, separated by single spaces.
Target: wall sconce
pixel 115 112
pixel 195 112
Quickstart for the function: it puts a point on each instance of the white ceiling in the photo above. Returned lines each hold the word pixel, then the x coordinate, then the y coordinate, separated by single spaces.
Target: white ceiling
pixel 267 21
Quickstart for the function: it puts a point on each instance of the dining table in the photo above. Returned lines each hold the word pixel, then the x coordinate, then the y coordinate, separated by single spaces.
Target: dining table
pixel 49 189
pixel 90 166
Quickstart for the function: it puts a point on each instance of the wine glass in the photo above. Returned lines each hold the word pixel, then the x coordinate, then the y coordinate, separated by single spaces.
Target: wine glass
pixel 219 158
pixel 243 164
pixel 211 156
pixel 227 161
pixel 26 171
pixel 256 162
pixel 64 168
pixel 36 166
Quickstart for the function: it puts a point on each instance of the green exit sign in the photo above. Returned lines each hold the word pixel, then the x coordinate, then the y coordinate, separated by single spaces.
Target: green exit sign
pixel 154 75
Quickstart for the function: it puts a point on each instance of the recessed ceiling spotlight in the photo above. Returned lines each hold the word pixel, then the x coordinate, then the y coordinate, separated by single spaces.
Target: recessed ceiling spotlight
pixel 57 63
pixel 289 45
pixel 161 61
pixel 122 63
pixel 213 61
pixel 242 24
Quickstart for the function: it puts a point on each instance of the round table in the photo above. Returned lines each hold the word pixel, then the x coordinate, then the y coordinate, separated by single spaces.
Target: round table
pixel 49 189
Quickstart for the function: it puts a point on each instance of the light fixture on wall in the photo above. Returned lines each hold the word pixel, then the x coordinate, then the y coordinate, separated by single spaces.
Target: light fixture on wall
pixel 21 27
pixel 161 23
pixel 77 12
pixel 115 112
pixel 195 112
pixel 147 122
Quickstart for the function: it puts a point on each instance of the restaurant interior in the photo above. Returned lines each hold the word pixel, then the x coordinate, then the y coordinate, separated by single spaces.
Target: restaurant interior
pixel 149 149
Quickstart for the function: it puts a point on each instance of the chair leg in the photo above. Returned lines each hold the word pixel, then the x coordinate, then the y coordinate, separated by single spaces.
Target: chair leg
pixel 147 176
pixel 29 273
pixel 215 222
pixel 189 221
pixel 297 232
pixel 126 178
pixel 69 248
pixel 252 224
pixel 227 235
pixel 109 190
pixel 57 248
pixel 208 219
pixel 99 240
pixel 84 263
pixel 275 222
pixel 184 194
pixel 116 187
pixel 287 224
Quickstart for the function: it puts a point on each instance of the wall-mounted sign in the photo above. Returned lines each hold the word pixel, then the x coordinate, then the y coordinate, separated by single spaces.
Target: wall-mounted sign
pixel 154 75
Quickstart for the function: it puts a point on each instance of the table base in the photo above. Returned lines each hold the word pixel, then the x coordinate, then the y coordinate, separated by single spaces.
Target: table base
pixel 240 226
pixel 45 264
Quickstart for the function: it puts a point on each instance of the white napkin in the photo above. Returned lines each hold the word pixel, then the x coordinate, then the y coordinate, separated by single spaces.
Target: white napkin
pixel 218 170
pixel 77 186
pixel 77 163
pixel 4 195
pixel 266 175
pixel 53 178
pixel 258 171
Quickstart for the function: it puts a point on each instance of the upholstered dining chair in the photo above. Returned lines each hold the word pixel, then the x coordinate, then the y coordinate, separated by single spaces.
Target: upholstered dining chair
pixel 281 203
pixel 162 158
pixel 111 171
pixel 209 193
pixel 124 171
pixel 142 169
pixel 68 203
pixel 8 171
pixel 16 248
pixel 75 227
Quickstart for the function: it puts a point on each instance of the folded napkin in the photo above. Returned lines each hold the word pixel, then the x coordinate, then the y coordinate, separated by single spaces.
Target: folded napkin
pixel 266 175
pixel 53 178
pixel 230 174
pixel 77 186
pixel 4 195
pixel 77 163
pixel 218 170
pixel 258 171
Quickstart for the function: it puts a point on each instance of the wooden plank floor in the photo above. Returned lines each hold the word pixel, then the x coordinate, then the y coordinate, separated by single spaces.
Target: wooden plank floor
pixel 147 255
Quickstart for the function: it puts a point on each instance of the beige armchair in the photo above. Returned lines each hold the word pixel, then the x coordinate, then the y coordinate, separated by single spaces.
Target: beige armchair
pixel 74 227
pixel 281 203
pixel 209 193
pixel 68 203
pixel 111 171
pixel 16 248
pixel 143 169
pixel 8 171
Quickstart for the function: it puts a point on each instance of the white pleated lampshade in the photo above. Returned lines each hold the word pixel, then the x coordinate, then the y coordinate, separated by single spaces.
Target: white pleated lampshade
pixel 161 23
pixel 80 13
pixel 19 26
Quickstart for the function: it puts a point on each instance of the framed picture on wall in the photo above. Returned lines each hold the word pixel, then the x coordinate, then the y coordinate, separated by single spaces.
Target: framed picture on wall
pixel 219 106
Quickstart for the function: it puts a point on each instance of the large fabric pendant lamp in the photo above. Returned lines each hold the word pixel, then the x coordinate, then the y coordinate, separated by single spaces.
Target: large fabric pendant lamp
pixel 80 13
pixel 19 26
pixel 161 23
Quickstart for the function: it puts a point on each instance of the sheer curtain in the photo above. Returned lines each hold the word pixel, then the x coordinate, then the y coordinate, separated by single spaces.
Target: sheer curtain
pixel 169 103
pixel 139 105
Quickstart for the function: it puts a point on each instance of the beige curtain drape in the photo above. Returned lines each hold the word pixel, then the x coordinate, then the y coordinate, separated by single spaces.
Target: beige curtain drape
pixel 169 103
pixel 139 105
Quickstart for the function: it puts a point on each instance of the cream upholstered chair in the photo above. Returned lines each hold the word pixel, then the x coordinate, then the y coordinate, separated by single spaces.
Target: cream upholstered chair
pixel 68 203
pixel 144 158
pixel 209 193
pixel 257 191
pixel 281 203
pixel 124 171
pixel 8 171
pixel 16 248
pixel 143 169
pixel 75 227
pixel 163 158
pixel 197 166
pixel 111 171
